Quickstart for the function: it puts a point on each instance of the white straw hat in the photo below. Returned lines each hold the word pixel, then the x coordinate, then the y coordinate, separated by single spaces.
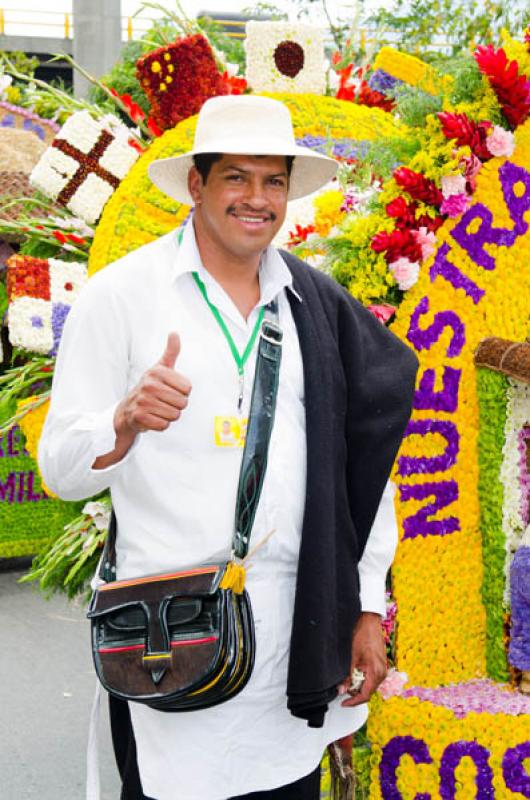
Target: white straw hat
pixel 246 125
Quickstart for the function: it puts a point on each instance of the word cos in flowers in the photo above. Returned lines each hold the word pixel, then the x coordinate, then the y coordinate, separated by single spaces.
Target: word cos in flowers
pixel 514 774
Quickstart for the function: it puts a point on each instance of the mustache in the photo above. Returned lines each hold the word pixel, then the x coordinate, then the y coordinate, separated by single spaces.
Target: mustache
pixel 269 214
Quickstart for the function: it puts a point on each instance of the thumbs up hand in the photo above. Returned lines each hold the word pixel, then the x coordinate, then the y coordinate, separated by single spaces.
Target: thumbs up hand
pixel 159 397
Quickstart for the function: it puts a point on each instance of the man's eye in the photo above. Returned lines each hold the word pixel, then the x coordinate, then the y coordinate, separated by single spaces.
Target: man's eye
pixel 234 177
pixel 277 181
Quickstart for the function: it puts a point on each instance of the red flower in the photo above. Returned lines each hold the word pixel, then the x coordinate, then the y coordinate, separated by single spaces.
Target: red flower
pixel 135 144
pixel 233 84
pixel 383 311
pixel 396 244
pixel 61 238
pixel 133 109
pixel 511 88
pixel 403 212
pixel 466 132
pixel 418 186
pixel 75 239
pixel 360 93
pixel 299 234
pixel 431 223
pixel 153 127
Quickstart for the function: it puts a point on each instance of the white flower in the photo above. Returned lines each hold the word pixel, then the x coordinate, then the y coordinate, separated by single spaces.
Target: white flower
pixel 453 184
pixel 30 324
pixel 284 57
pixel 99 512
pixel 5 83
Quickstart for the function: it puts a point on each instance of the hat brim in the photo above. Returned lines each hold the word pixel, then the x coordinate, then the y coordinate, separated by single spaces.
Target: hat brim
pixel 310 172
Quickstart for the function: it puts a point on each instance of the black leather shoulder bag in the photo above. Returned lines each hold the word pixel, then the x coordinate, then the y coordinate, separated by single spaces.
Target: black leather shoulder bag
pixel 185 640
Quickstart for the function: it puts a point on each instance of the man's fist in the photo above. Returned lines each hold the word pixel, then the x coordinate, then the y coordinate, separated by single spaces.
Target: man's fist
pixel 159 397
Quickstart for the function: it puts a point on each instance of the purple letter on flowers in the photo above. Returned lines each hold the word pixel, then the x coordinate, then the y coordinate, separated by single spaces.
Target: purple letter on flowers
pixel 445 400
pixel 511 175
pixel 443 267
pixel 392 754
pixel 452 756
pixel 474 243
pixel 419 524
pixel 424 339
pixel 515 776
pixel 407 465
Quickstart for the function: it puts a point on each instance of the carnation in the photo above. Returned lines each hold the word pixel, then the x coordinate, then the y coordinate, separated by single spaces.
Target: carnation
pixel 427 241
pixel 455 205
pixel 405 272
pixel 453 184
pixel 500 142
pixel 393 684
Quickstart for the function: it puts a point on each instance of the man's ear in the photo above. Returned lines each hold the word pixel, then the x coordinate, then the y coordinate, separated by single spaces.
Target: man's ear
pixel 195 184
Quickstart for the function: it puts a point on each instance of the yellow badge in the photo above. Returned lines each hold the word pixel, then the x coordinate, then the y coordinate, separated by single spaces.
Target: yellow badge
pixel 230 431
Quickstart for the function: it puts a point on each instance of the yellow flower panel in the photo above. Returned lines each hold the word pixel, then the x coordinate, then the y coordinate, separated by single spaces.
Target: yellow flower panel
pixel 439 567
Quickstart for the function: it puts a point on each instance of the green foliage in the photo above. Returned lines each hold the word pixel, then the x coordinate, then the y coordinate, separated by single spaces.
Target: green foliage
pixel 384 155
pixel 492 389
pixel 24 63
pixel 448 25
pixel 67 563
pixel 122 77
pixel 414 106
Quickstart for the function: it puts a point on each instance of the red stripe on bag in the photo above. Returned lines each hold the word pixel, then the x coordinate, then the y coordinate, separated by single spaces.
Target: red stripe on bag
pixel 176 643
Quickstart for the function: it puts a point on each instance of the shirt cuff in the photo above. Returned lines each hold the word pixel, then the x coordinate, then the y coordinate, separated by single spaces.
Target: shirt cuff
pixel 372 593
pixel 103 437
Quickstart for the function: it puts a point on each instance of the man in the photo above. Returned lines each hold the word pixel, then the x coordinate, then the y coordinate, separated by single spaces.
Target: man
pixel 145 369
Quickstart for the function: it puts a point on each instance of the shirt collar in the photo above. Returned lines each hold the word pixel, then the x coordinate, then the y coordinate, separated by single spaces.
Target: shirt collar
pixel 274 274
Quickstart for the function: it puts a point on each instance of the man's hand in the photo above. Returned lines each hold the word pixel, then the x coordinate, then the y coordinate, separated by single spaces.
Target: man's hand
pixel 158 399
pixel 155 402
pixel 369 656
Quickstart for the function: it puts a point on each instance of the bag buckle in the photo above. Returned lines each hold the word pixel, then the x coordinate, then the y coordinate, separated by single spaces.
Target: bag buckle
pixel 272 332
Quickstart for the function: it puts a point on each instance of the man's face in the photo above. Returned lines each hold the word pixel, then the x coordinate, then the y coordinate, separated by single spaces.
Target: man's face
pixel 242 205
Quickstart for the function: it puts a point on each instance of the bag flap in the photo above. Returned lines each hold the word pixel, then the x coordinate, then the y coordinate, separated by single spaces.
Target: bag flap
pixel 112 596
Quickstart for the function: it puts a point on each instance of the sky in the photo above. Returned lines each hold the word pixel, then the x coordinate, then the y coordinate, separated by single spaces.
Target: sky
pixel 33 17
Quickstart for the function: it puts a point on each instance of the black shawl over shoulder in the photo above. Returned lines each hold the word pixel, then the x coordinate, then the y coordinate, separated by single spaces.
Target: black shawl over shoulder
pixel 359 381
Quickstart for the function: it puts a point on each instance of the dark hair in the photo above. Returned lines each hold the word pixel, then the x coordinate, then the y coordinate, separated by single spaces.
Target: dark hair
pixel 203 163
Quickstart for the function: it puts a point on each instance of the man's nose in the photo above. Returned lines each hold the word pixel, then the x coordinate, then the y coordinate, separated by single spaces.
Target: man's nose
pixel 256 195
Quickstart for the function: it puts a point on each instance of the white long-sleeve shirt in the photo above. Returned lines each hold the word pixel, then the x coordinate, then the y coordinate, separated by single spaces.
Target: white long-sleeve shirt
pixel 174 496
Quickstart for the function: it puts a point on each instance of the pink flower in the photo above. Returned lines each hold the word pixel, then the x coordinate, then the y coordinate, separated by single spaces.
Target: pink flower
pixel 455 205
pixel 453 184
pixel 426 240
pixel 472 166
pixel 393 684
pixel 405 272
pixel 382 312
pixel 500 142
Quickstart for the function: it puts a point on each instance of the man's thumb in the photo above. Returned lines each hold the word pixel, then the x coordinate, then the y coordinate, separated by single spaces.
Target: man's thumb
pixel 172 350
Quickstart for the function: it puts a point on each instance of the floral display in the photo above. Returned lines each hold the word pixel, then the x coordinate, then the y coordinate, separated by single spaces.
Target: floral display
pixel 519 652
pixel 12 116
pixel 41 293
pixel 407 69
pixel 175 89
pixel 83 166
pixel 284 57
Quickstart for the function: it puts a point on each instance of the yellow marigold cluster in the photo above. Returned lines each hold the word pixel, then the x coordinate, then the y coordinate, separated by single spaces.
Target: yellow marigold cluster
pixel 411 70
pixel 437 578
pixel 328 211
pixel 138 212
pixel 31 425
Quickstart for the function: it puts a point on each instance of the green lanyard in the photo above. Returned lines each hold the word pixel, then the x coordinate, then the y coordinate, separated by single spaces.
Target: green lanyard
pixel 240 359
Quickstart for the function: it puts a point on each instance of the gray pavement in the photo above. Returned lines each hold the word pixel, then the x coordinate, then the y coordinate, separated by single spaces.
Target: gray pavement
pixel 47 685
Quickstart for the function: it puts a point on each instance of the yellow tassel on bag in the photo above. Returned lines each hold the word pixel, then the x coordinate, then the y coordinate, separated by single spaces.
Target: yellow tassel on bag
pixel 234 577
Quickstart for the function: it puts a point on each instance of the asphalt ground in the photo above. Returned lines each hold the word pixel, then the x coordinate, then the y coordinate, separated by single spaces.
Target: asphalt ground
pixel 47 685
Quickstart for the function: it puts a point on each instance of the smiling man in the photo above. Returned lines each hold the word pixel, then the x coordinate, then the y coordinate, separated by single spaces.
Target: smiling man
pixel 157 357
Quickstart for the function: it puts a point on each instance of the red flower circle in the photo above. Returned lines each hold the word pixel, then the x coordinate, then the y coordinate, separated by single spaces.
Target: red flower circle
pixel 289 58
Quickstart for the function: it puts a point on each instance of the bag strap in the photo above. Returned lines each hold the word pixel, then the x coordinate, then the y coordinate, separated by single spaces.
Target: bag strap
pixel 255 452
